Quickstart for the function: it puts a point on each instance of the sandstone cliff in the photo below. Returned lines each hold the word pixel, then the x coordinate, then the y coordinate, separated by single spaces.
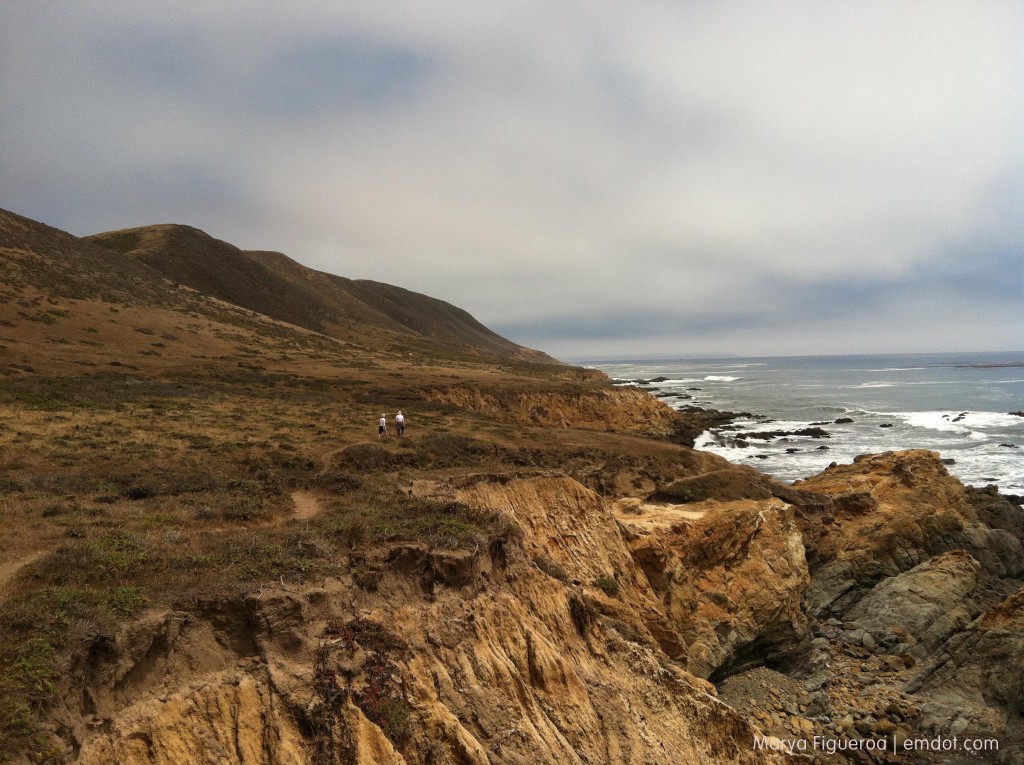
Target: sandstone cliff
pixel 582 631
pixel 729 576
pixel 622 410
pixel 514 652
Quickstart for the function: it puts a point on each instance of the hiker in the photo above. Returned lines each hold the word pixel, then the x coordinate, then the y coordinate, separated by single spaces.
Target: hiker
pixel 382 427
pixel 400 423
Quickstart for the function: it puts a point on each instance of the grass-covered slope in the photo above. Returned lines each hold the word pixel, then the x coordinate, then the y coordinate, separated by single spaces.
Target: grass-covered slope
pixel 366 312
pixel 157 445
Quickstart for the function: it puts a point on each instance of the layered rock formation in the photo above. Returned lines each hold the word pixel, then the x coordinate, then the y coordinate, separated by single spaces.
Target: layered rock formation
pixel 517 652
pixel 885 514
pixel 621 410
pixel 729 576
pixel 975 683
pixel 582 631
pixel 916 632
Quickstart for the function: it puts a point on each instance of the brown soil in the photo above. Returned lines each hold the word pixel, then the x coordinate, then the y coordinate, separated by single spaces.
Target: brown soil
pixel 9 568
pixel 307 505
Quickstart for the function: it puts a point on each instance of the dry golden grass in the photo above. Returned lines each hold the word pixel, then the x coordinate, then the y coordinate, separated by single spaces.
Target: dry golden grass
pixel 151 439
pixel 163 486
pixel 160 486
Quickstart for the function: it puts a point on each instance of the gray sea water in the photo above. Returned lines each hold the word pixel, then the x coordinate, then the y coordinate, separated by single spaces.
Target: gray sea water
pixel 956 404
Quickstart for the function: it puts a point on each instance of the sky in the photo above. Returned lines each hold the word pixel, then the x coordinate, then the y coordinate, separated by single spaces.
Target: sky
pixel 594 179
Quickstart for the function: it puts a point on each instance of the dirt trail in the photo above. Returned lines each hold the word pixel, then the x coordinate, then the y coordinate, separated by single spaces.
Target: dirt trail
pixel 307 505
pixel 9 568
pixel 652 516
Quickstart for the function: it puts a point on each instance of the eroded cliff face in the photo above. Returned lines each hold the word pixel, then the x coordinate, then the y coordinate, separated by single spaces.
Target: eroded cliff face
pixel 622 410
pixel 517 652
pixel 730 576
pixel 585 631
pixel 885 514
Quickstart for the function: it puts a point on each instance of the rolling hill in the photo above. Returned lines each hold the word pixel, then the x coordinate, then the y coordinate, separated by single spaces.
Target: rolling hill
pixel 172 296
pixel 209 554
pixel 274 285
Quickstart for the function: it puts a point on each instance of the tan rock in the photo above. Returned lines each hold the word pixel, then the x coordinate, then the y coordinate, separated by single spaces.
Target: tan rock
pixel 885 514
pixel 495 670
pixel 727 574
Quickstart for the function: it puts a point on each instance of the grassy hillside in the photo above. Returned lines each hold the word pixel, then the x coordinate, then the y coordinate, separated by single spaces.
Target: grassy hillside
pixel 273 284
pixel 162 447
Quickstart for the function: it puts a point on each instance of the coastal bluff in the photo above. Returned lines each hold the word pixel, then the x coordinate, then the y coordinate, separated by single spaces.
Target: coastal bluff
pixel 210 555
pixel 586 629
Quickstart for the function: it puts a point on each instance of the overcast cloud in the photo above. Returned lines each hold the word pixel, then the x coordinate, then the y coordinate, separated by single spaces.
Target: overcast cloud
pixel 589 178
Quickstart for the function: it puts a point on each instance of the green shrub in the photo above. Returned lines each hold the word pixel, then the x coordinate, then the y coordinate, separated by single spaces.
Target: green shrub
pixel 127 601
pixel 609 585
pixel 245 486
pixel 28 677
pixel 373 516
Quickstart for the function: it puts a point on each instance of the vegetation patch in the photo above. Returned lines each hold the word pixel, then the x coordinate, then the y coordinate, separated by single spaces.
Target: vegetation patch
pixel 360 661
pixel 608 584
pixel 111 557
pixel 375 515
pixel 28 677
pixel 253 557
pixel 549 566
pixel 119 241
pixel 127 601
pixel 36 627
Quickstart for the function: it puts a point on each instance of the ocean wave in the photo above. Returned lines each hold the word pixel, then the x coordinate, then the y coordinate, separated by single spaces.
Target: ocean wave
pixel 904 383
pixel 963 423
pixel 896 369
pixel 984 440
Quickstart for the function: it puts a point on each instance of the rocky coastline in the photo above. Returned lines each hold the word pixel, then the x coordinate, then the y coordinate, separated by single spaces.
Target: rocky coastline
pixel 210 554
pixel 698 612
pixel 904 631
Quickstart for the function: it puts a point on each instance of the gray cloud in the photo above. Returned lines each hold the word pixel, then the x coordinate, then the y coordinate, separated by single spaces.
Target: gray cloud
pixel 588 178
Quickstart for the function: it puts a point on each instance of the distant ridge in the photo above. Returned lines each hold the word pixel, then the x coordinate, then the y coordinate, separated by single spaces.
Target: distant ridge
pixel 276 286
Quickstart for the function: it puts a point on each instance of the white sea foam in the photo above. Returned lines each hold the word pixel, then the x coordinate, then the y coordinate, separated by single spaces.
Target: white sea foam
pixel 934 421
pixel 898 369
pixel 959 422
pixel 978 435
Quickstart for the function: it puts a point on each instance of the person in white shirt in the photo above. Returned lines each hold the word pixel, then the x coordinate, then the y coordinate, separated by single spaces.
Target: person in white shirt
pixel 382 427
pixel 400 423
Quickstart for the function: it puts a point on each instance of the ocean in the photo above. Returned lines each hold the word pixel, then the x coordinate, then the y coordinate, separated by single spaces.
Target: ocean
pixel 956 404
